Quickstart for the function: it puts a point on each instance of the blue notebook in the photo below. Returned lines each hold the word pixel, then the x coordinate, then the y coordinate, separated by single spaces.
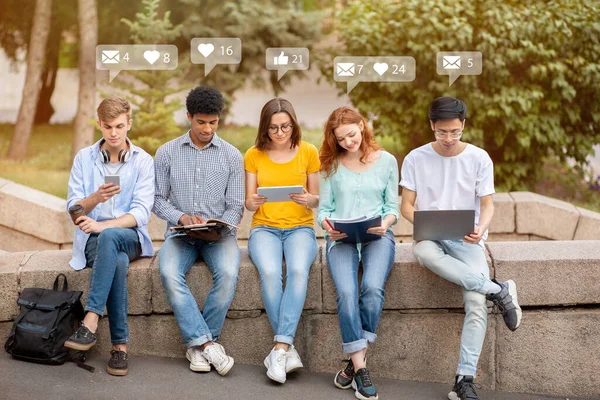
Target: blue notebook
pixel 356 228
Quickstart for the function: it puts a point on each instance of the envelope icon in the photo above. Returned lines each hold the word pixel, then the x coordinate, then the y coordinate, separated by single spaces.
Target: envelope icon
pixel 344 69
pixel 110 56
pixel 451 62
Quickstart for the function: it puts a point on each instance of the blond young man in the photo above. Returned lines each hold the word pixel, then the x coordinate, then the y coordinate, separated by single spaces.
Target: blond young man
pixel 114 229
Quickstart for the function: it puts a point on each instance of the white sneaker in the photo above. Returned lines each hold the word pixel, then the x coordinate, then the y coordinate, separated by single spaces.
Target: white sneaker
pixel 197 361
pixel 292 360
pixel 275 363
pixel 215 355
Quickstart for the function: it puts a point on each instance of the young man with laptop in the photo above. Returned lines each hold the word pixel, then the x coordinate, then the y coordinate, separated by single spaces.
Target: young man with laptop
pixel 449 174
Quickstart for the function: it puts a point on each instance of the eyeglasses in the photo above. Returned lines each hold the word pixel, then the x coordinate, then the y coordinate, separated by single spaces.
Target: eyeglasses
pixel 273 129
pixel 444 135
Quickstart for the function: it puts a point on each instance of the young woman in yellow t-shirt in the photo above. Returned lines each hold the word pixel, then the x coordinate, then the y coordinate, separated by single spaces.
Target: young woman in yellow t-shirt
pixel 282 229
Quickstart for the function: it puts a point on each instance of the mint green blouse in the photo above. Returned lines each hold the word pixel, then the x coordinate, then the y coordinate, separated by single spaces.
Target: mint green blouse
pixel 349 194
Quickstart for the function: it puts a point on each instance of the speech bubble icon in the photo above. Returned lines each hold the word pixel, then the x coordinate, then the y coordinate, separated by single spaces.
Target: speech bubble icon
pixel 457 63
pixel 353 70
pixel 214 51
pixel 284 59
pixel 135 57
pixel 112 74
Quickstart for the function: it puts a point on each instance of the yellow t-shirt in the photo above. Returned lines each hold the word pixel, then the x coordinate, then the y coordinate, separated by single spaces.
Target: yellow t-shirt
pixel 295 172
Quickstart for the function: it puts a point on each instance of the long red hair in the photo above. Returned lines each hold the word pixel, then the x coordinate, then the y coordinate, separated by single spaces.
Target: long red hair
pixel 331 150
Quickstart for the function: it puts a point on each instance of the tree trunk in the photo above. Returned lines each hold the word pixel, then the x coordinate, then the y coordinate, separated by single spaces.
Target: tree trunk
pixel 31 91
pixel 83 130
pixel 44 109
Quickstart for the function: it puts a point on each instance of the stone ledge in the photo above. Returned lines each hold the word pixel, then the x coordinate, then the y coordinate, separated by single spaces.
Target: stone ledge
pixel 504 214
pixel 56 226
pixel 421 347
pixel 544 216
pixel 551 272
pixel 588 227
pixel 552 352
pixel 9 280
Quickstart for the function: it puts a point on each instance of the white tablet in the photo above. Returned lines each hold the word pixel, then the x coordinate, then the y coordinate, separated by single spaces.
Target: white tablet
pixel 279 193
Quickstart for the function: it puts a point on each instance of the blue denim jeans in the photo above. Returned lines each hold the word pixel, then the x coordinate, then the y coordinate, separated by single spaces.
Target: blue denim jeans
pixel 109 254
pixel 465 265
pixel 359 314
pixel 177 255
pixel 267 246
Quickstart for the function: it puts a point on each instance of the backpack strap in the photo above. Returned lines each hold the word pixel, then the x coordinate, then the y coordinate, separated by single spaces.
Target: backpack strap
pixel 78 357
pixel 65 286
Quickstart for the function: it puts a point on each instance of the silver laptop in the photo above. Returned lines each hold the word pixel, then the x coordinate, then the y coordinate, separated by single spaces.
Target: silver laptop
pixel 443 224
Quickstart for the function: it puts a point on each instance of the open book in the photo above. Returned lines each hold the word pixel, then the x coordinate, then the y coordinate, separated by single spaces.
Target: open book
pixel 211 223
pixel 356 228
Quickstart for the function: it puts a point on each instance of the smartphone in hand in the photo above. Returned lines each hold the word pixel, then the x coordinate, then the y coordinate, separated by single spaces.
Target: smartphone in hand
pixel 115 179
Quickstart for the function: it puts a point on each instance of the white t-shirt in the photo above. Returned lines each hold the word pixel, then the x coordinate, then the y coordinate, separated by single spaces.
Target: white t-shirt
pixel 449 183
pixel 106 208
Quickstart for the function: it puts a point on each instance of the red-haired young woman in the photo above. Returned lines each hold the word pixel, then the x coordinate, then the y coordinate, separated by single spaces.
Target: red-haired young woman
pixel 358 178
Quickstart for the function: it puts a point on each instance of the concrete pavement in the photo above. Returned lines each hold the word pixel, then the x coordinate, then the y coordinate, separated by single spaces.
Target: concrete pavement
pixel 167 378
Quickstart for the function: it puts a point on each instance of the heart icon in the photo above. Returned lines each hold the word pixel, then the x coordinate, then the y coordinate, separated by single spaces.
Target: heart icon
pixel 206 49
pixel 380 68
pixel 151 56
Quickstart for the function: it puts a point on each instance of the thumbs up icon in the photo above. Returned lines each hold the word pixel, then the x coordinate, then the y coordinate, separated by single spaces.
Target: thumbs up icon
pixel 281 59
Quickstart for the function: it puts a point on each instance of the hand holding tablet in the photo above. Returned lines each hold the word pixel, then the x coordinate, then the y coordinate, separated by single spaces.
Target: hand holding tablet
pixel 279 193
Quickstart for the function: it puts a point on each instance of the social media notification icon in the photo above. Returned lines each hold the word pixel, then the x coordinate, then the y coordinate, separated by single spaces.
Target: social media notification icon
pixel 284 59
pixel 457 63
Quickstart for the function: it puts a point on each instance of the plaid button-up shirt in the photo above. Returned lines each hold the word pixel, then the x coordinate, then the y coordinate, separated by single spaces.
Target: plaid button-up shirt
pixel 208 182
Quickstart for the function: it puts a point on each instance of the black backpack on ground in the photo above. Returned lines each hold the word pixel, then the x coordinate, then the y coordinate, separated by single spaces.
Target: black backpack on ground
pixel 47 319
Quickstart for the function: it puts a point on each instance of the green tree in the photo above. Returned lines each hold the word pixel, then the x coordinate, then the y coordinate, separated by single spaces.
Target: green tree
pixel 536 98
pixel 259 24
pixel 148 90
pixel 16 20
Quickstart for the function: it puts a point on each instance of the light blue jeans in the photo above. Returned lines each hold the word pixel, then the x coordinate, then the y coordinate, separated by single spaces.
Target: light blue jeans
pixel 109 254
pixel 267 246
pixel 465 265
pixel 358 315
pixel 177 255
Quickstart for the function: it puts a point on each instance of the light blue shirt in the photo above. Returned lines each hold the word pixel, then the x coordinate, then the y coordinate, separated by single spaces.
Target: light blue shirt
pixel 136 197
pixel 349 194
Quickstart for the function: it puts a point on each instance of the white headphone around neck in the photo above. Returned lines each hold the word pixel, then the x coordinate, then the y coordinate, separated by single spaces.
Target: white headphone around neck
pixel 124 155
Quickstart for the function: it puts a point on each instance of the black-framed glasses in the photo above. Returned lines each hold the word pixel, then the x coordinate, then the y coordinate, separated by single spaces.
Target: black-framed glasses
pixel 285 128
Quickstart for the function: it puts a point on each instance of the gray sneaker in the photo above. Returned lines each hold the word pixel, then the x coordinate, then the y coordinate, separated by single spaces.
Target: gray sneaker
pixel 506 301
pixel 215 355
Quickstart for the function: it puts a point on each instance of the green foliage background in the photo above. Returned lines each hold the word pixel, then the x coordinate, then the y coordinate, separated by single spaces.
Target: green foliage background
pixel 536 98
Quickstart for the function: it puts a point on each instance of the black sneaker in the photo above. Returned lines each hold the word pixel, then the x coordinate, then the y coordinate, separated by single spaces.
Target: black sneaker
pixel 343 379
pixel 82 340
pixel 506 300
pixel 363 386
pixel 117 365
pixel 463 390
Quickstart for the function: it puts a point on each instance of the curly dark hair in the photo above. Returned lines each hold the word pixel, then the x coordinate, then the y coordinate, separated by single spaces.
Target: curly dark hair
pixel 204 100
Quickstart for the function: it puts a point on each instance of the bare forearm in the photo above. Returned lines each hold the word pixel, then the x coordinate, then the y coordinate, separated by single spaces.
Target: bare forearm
pixel 249 206
pixel 389 220
pixel 485 217
pixel 312 200
pixel 89 203
pixel 408 212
